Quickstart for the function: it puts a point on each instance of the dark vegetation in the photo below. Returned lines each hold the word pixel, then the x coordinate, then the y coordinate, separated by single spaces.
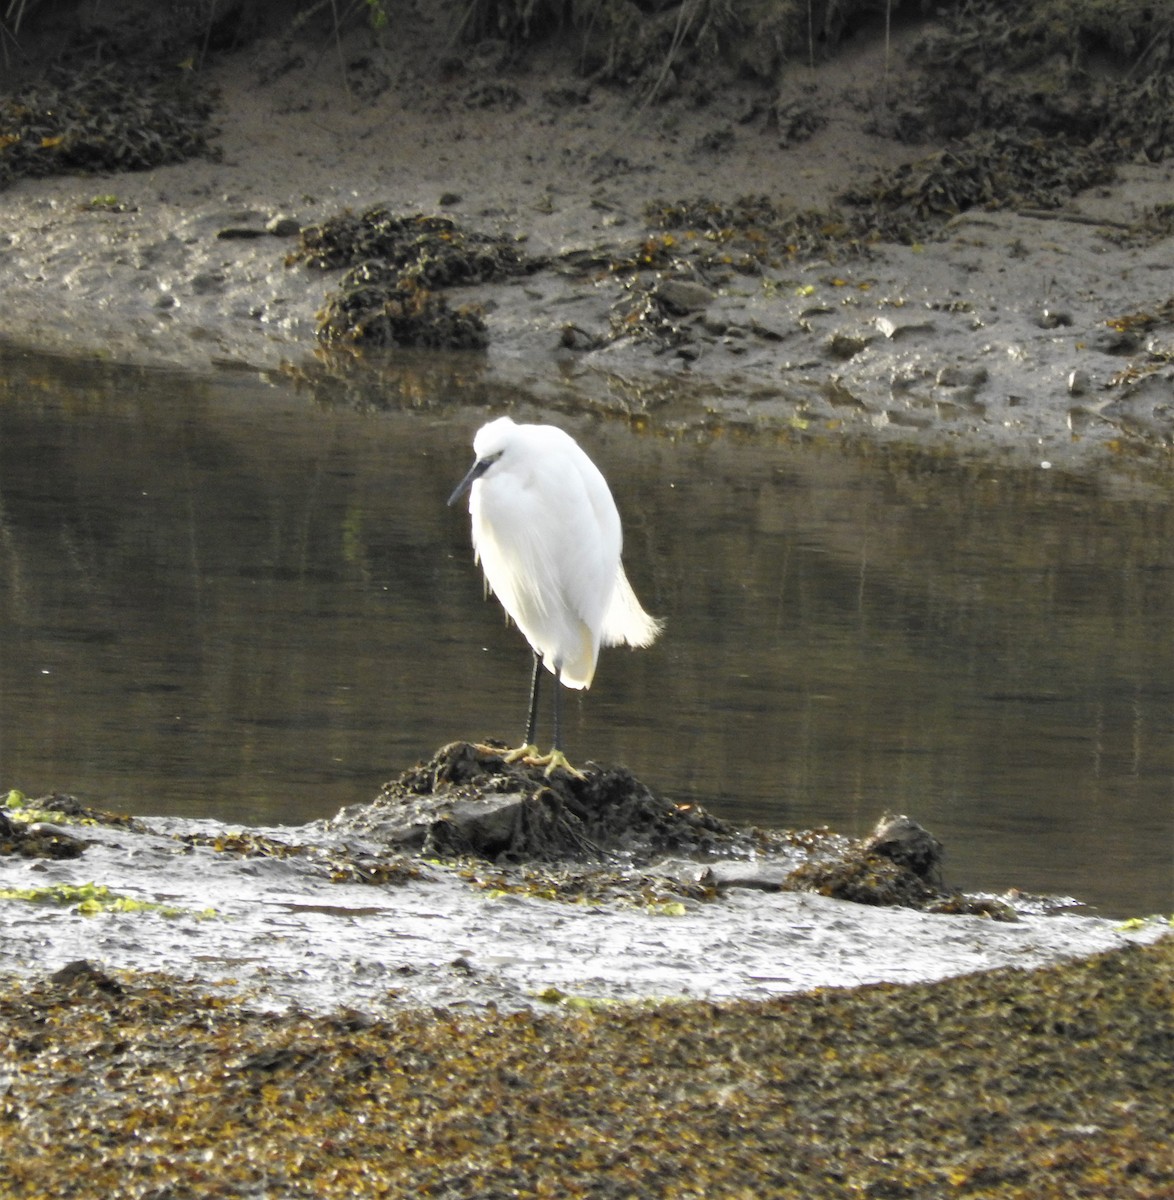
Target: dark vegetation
pixel 1028 104
pixel 1092 77
pixel 391 294
pixel 1040 1085
pixel 108 117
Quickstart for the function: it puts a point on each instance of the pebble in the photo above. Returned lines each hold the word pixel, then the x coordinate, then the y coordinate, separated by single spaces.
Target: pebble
pixel 962 377
pixel 1078 382
pixel 682 295
pixel 283 225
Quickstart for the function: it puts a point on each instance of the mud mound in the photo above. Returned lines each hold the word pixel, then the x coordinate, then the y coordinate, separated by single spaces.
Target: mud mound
pixel 468 801
pixel 899 864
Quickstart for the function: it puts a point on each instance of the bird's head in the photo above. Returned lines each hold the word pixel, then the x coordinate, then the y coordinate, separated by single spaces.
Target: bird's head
pixel 491 442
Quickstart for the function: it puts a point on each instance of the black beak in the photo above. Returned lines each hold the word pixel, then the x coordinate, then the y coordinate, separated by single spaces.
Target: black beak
pixel 475 472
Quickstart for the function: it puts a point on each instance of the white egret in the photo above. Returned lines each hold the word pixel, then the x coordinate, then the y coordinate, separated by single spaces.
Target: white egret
pixel 547 535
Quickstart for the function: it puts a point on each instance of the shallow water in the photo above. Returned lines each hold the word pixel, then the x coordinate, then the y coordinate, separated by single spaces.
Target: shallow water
pixel 224 597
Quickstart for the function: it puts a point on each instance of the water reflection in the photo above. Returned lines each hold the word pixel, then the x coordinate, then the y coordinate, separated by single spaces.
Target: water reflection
pixel 220 598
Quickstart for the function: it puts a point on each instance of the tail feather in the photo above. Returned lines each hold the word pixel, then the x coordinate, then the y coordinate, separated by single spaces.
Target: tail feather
pixel 625 620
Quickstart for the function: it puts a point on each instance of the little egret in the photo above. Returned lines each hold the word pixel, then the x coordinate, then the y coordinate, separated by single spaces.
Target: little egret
pixel 547 535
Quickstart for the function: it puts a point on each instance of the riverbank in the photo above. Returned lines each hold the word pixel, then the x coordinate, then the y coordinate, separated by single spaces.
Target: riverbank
pixel 1033 331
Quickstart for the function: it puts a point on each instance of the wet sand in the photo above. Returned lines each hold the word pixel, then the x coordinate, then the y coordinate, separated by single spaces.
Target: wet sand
pixel 289 1011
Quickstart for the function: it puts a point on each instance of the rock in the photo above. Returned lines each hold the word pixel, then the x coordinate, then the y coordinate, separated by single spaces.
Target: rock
pixel 844 346
pixel 207 281
pixel 960 375
pixel 894 330
pixel 82 974
pixel 283 226
pixel 682 295
pixel 756 875
pixel 907 843
pixel 1078 382
pixel 863 879
pixel 899 863
pixel 1051 319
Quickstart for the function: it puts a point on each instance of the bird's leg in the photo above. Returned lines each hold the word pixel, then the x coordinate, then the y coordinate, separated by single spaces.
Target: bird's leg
pixel 527 750
pixel 556 758
pixel 532 719
pixel 528 753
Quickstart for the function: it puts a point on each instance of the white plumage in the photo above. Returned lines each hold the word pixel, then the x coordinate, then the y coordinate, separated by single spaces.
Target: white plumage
pixel 547 535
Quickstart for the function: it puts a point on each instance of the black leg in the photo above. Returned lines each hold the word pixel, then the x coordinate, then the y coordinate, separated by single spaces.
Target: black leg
pixel 532 720
pixel 558 709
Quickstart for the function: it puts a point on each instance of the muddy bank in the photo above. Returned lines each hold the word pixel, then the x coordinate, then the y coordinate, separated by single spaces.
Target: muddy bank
pixel 692 254
pixel 491 891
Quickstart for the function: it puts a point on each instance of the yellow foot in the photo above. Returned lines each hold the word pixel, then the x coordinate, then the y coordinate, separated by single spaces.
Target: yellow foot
pixel 554 761
pixel 526 754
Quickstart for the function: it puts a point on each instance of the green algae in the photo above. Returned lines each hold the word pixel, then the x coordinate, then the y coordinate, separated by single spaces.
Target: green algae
pixel 90 899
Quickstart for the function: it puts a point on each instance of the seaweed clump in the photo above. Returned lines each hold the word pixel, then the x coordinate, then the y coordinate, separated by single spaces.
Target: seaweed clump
pixel 103 118
pixel 391 294
pixel 1037 103
pixel 754 232
pixel 898 864
pixel 469 801
pixel 33 842
pixel 696 245
pixel 30 827
pixel 340 864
